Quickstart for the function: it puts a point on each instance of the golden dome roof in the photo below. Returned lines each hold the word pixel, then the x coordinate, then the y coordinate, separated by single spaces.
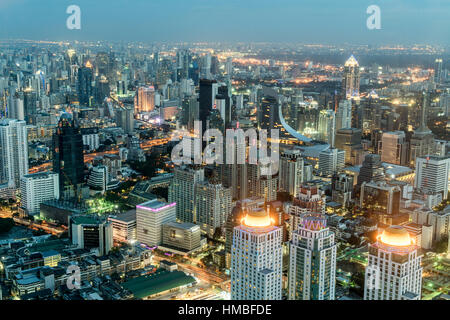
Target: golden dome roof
pixel 396 236
pixel 257 218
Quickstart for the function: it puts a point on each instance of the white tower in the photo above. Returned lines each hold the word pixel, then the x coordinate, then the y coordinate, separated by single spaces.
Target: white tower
pixel 394 269
pixel 256 258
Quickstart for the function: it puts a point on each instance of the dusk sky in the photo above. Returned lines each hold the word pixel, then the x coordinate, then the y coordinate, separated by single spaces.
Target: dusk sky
pixel 307 21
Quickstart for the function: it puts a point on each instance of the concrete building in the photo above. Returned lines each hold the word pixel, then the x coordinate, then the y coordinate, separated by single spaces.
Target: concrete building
pixel 432 174
pixel 37 188
pixel 91 232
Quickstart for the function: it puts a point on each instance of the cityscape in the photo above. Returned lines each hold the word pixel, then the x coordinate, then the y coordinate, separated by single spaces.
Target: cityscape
pixel 223 170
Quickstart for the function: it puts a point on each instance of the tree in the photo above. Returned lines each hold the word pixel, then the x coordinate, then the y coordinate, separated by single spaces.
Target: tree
pixel 442 245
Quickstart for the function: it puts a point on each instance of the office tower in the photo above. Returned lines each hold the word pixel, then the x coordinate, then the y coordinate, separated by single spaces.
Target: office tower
pixel 229 66
pixel 331 161
pixel 84 84
pixel 349 140
pixel 432 174
pixel 223 104
pixel 182 191
pixel 150 217
pixel 267 187
pixel 144 100
pixel 91 232
pixel 394 269
pixel 327 127
pixel 380 199
pixel 30 105
pixel 344 115
pixel 438 74
pixel 16 108
pixel 213 205
pixel 13 152
pixel 208 90
pixel 350 81
pixel 256 258
pixel 422 141
pixel 37 188
pixel 135 152
pixel 68 160
pixel 181 238
pixel 342 188
pixel 125 119
pixel 99 178
pixel 291 171
pixel 312 266
pixel 394 148
pixel 371 169
pixel 310 199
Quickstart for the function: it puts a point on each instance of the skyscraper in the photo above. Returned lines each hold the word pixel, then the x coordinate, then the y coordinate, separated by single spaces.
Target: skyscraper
pixel 256 258
pixel 84 84
pixel 394 269
pixel 327 127
pixel 438 70
pixel 350 81
pixel 68 159
pixel 331 161
pixel 182 191
pixel 371 169
pixel 37 188
pixel 394 148
pixel 312 267
pixel 207 94
pixel 432 174
pixel 291 171
pixel 144 100
pixel 344 115
pixel 310 199
pixel 13 152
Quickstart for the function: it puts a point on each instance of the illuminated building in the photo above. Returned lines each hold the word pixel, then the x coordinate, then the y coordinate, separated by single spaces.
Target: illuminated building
pixel 432 174
pixel 312 268
pixel 310 199
pixel 144 100
pixel 181 238
pixel 256 258
pixel 349 140
pixel 291 171
pixel 350 81
pixel 394 269
pixel 342 188
pixel 124 226
pixel 438 74
pixel 13 152
pixel 150 217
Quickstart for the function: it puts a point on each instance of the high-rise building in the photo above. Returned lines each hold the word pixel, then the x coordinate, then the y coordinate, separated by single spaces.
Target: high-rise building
pixel 350 81
pixel 37 188
pixel 91 232
pixel 312 267
pixel 349 140
pixel 150 218
pixel 125 119
pixel 438 70
pixel 68 160
pixel 13 152
pixel 310 199
pixel 432 174
pixel 144 100
pixel 182 191
pixel 394 269
pixel 371 169
pixel 256 258
pixel 331 161
pixel 342 188
pixel 327 127
pixel 380 199
pixel 290 175
pixel 207 93
pixel 84 84
pixel 212 205
pixel 344 115
pixel 394 148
